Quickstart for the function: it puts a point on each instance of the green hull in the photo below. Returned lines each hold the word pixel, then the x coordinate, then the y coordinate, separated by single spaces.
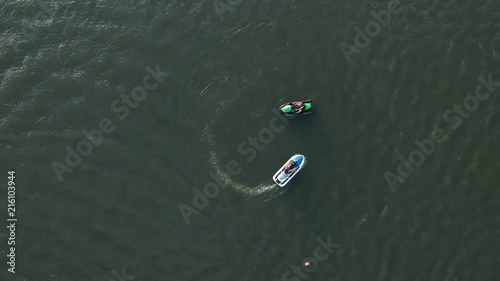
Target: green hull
pixel 287 109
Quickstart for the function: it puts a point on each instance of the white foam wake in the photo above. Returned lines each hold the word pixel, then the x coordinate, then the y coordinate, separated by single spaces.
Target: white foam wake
pixel 263 191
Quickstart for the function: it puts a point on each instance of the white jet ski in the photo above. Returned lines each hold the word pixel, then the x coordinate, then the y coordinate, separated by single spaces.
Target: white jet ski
pixel 289 169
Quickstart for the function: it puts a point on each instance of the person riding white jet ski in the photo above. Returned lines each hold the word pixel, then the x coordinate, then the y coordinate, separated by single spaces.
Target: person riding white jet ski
pixel 290 167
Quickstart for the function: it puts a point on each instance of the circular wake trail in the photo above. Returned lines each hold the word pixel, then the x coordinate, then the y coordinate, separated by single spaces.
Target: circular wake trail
pixel 262 191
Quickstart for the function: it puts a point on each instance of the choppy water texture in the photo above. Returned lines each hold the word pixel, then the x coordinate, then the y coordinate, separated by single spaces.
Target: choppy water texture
pixel 64 63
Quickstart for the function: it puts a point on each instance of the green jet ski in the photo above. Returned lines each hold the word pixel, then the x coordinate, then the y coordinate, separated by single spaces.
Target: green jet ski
pixel 297 108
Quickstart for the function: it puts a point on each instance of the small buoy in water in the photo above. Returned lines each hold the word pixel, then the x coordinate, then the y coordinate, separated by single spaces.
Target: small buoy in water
pixel 307 264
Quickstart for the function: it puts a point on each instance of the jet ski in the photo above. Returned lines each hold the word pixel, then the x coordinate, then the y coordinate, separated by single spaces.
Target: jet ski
pixel 289 169
pixel 291 108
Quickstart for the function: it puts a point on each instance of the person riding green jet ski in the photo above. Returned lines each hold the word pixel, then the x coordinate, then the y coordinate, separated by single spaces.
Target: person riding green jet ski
pixel 295 108
pixel 299 107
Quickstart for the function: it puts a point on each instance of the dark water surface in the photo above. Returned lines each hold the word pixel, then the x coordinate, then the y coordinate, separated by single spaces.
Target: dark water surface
pixel 65 66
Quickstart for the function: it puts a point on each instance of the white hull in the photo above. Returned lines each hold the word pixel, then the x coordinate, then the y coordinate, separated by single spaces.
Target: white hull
pixel 281 178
